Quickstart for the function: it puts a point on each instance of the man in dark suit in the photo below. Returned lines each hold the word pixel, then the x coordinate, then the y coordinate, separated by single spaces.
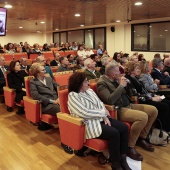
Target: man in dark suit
pixel 24 64
pixel 3 70
pixel 90 71
pixel 55 62
pixel 156 73
pixel 166 65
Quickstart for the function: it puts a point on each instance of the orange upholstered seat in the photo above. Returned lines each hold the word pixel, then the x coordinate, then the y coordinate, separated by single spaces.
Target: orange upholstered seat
pixel 9 96
pixel 17 56
pixel 33 107
pixel 61 78
pixel 75 136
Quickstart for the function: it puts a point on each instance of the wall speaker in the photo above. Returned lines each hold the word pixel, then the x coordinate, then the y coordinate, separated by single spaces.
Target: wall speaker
pixel 112 29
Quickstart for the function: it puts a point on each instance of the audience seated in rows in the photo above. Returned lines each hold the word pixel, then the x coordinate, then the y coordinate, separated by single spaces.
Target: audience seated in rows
pixel 163 106
pixel 81 101
pixel 111 89
pixel 90 71
pixel 16 81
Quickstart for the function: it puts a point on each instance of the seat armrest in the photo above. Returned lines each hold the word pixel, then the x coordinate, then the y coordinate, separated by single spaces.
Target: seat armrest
pixel 8 89
pixel 30 100
pixel 112 110
pixel 72 130
pixel 72 119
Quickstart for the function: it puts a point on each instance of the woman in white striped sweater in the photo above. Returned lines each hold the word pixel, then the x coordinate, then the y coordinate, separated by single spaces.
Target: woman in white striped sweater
pixel 84 103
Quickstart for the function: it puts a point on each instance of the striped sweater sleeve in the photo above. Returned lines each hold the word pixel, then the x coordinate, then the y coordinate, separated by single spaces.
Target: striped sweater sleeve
pixel 77 107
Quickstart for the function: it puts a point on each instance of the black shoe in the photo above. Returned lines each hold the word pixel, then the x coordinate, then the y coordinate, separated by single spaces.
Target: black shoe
pixel 67 149
pixel 44 126
pixel 81 152
pixel 20 111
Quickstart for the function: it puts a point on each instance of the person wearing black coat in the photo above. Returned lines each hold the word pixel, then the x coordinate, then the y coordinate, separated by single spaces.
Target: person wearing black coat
pixel 144 97
pixel 16 81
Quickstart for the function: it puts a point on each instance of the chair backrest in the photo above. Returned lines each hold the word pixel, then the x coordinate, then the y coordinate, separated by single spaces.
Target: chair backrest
pixel 8 57
pixel 27 85
pixel 62 77
pixel 33 56
pixel 48 54
pixel 54 69
pixel 70 52
pixel 63 98
pixel 93 84
pixel 17 56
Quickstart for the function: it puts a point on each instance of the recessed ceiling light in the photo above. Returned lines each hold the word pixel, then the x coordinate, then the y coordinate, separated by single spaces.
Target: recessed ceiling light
pixel 8 6
pixel 138 35
pixel 134 31
pixel 77 15
pixel 118 21
pixel 160 35
pixel 81 25
pixel 20 27
pixel 56 29
pixel 138 3
pixel 150 26
pixel 42 22
pixel 166 30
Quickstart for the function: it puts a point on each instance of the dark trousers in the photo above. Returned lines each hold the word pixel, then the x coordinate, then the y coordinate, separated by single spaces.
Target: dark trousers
pixel 163 112
pixel 117 137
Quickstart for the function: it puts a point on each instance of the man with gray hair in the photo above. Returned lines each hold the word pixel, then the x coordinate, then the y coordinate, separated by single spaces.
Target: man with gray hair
pixel 41 59
pixel 90 71
pixel 166 65
pixel 156 72
pixel 24 64
pixel 111 89
pixel 104 61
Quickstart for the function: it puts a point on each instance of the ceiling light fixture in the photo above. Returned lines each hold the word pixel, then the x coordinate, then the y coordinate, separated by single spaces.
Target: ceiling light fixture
pixel 77 15
pixel 118 21
pixel 56 29
pixel 42 22
pixel 166 30
pixel 20 27
pixel 138 3
pixel 81 25
pixel 8 6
